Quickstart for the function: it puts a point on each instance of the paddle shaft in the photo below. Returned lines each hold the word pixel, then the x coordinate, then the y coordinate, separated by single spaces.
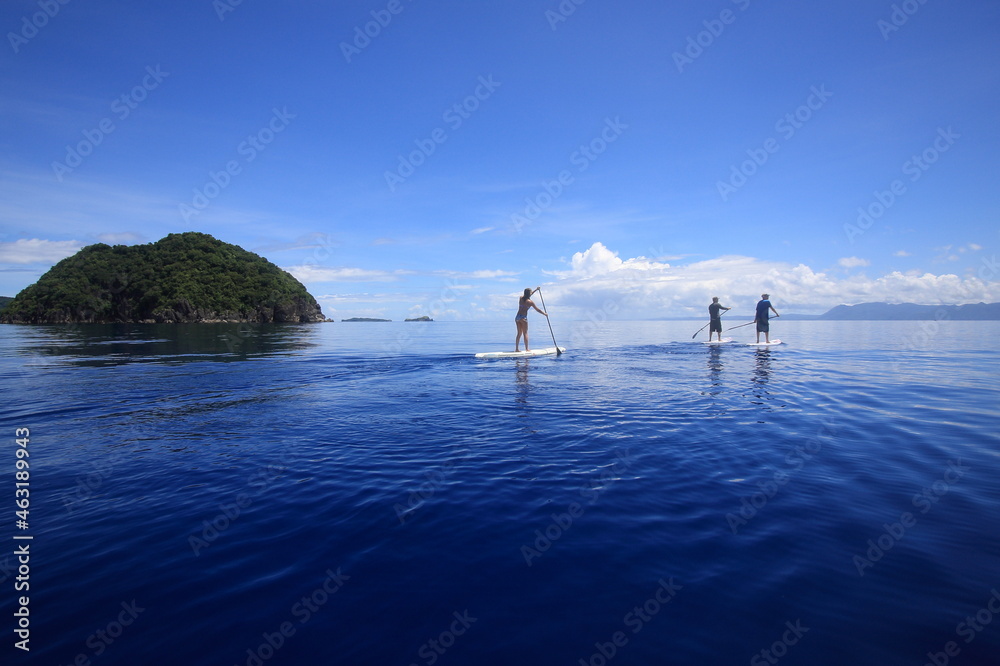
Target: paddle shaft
pixel 748 323
pixel 542 299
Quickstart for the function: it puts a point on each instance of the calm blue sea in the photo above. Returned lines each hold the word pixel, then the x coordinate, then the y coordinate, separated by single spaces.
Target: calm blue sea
pixel 370 493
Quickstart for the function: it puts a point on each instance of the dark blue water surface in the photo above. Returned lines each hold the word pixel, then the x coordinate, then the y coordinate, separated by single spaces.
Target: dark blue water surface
pixel 370 493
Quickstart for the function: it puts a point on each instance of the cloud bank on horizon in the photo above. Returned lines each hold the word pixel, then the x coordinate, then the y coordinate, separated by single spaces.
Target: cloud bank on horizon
pixel 598 280
pixel 642 288
pixel 413 162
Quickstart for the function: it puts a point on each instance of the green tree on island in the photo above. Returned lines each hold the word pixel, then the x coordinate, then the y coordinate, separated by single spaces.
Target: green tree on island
pixel 183 277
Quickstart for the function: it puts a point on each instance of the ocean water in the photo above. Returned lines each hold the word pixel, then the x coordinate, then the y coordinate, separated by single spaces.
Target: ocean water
pixel 370 493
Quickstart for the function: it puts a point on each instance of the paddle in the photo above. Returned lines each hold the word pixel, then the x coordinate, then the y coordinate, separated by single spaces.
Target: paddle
pixel 742 325
pixel 703 327
pixel 542 299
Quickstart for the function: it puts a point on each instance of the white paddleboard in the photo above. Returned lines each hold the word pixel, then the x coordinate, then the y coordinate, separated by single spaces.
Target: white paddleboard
pixel 716 342
pixel 764 344
pixel 547 351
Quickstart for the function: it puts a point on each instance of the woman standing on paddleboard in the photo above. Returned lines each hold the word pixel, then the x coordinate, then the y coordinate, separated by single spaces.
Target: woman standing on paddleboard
pixel 521 319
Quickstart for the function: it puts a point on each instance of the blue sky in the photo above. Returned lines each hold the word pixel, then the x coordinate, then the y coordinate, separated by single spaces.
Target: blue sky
pixel 409 157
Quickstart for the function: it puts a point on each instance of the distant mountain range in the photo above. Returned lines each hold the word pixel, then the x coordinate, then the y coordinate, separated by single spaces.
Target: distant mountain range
pixel 906 311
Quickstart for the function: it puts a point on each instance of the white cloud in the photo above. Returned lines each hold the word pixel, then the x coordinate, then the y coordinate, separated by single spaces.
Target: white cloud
pixel 317 241
pixel 37 251
pixel 599 260
pixel 312 274
pixel 595 260
pixel 901 253
pixel 123 238
pixel 483 275
pixel 954 253
pixel 362 298
pixel 853 262
pixel 643 289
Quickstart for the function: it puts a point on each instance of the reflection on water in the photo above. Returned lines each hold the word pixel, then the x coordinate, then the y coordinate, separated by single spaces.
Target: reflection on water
pixel 522 389
pixel 761 376
pixel 715 367
pixel 114 344
pixel 521 367
pixel 714 360
pixel 762 367
pixel 135 459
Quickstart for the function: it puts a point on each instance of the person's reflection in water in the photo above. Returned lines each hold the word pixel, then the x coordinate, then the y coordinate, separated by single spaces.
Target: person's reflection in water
pixel 521 366
pixel 762 367
pixel 761 376
pixel 522 389
pixel 715 367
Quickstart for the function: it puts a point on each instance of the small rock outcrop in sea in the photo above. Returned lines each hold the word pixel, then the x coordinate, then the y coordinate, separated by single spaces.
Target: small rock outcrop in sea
pixel 424 318
pixel 182 278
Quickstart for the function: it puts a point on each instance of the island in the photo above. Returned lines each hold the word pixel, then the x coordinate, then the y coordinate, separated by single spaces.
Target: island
pixel 187 277
pixel 424 318
pixel 364 319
